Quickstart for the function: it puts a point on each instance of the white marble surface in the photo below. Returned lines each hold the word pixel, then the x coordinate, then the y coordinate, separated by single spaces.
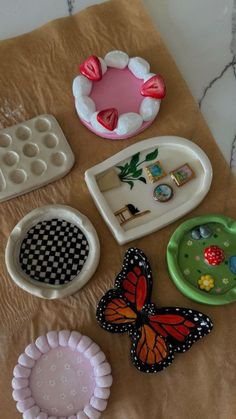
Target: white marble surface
pixel 201 36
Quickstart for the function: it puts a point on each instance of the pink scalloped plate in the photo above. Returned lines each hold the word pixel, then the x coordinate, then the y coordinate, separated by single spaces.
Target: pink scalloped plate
pixel 118 89
pixel 63 375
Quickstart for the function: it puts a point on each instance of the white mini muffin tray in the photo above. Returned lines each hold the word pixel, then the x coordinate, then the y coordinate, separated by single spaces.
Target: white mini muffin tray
pixel 32 154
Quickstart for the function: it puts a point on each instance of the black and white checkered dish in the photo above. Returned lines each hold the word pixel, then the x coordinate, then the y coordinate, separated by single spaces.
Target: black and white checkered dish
pixel 52 252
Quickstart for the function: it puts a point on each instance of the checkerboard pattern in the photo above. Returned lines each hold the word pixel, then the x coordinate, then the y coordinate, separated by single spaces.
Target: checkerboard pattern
pixel 53 252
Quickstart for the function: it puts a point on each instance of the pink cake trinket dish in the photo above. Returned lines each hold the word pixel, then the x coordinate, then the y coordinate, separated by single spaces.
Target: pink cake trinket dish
pixel 117 97
pixel 63 375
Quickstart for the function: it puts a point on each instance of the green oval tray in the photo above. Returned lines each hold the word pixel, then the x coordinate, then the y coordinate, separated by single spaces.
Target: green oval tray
pixel 184 268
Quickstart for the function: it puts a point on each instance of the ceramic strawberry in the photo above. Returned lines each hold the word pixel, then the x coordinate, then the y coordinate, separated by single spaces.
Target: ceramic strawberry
pixel 108 118
pixel 214 255
pixel 91 68
pixel 154 87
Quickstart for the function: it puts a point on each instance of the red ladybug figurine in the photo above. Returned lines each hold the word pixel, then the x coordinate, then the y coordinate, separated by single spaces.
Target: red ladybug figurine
pixel 214 255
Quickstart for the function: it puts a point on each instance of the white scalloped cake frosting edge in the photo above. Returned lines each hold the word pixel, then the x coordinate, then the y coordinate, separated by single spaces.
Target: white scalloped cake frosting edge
pixel 129 122
pixel 76 342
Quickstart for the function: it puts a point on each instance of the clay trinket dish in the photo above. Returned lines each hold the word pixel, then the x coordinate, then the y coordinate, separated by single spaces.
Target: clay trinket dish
pixel 201 257
pixel 52 252
pixel 135 192
pixel 117 97
pixel 62 374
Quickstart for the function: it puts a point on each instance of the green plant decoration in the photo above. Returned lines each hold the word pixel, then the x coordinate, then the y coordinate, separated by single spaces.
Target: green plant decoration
pixel 131 171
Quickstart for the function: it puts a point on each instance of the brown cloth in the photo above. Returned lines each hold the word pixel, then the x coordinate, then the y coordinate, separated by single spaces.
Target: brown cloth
pixel 36 75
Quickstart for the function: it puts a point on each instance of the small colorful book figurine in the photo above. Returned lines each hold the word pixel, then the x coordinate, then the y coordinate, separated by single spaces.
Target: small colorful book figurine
pixel 182 174
pixel 156 333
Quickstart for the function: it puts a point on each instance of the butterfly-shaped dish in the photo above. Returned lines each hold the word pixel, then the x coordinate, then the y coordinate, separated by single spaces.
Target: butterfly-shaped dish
pixel 155 333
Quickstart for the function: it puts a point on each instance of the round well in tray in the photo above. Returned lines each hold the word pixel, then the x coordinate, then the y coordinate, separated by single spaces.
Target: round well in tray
pixel 5 140
pixel 23 133
pixel 52 252
pixel 42 124
pixel 11 158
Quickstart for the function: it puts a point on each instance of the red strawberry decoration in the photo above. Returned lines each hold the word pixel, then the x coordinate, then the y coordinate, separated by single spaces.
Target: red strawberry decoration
pixel 214 255
pixel 108 118
pixel 91 68
pixel 154 87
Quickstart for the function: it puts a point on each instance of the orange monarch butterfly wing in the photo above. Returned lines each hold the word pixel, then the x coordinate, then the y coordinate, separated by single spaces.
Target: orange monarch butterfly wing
pixel 114 313
pixel 166 331
pixel 180 326
pixel 119 308
pixel 135 279
pixel 150 352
